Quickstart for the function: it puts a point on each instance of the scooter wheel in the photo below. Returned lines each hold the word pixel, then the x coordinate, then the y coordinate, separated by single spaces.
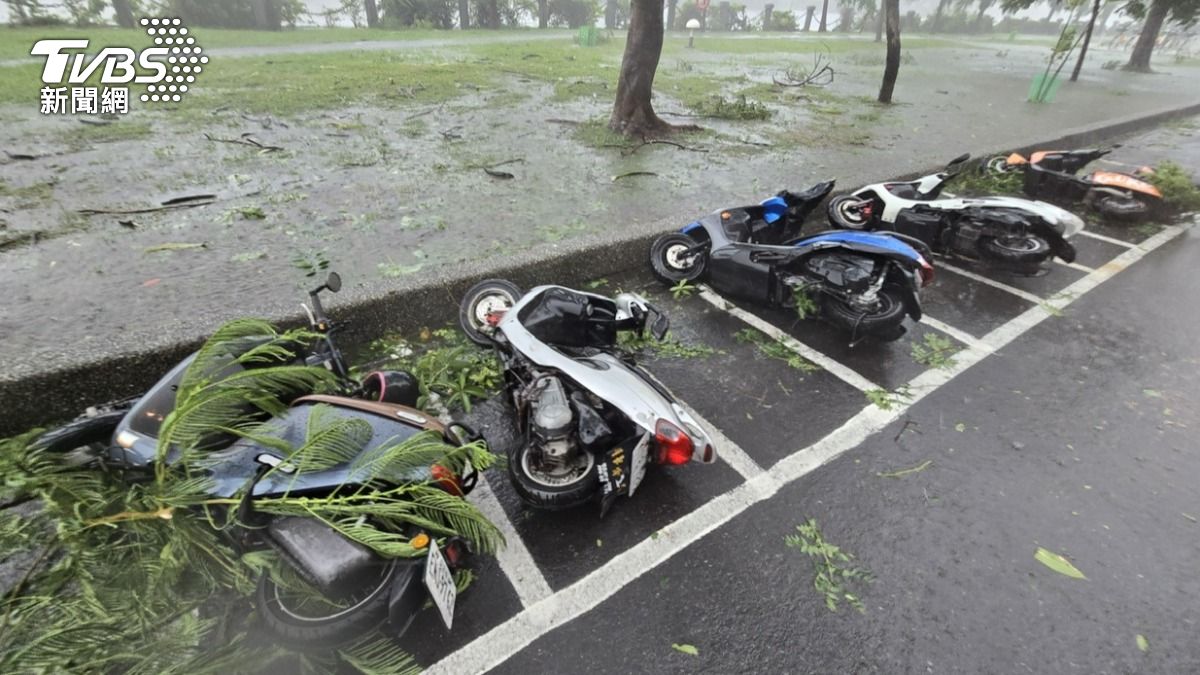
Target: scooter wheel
pixel 1016 250
pixel 299 622
pixel 547 492
pixel 1122 208
pixel 997 165
pixel 484 298
pixel 884 323
pixel 843 216
pixel 670 265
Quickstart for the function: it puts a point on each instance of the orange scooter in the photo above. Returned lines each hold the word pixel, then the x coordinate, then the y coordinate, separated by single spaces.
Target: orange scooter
pixel 1051 174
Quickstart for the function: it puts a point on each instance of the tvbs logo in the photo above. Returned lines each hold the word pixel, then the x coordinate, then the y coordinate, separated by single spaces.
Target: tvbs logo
pixel 168 69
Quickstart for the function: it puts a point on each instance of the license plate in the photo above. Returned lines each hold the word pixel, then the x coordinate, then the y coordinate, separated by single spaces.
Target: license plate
pixel 637 463
pixel 440 583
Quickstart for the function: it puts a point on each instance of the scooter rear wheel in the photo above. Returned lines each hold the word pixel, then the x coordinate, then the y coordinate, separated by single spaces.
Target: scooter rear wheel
pixel 670 265
pixel 998 165
pixel 1122 208
pixel 305 622
pixel 542 491
pixel 1025 250
pixel 883 323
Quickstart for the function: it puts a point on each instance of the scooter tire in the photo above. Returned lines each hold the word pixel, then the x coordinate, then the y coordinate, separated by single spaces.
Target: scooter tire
pixel 838 216
pixel 469 317
pixel 884 324
pixel 1028 250
pixel 998 165
pixel 1123 208
pixel 336 629
pixel 666 268
pixel 544 497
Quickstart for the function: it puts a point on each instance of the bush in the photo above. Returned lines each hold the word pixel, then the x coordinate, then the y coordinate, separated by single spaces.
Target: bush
pixel 1177 186
pixel 782 21
pixel 573 13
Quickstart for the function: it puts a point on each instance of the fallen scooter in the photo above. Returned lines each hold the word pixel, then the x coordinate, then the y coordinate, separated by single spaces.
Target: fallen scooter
pixel 863 283
pixel 256 462
pixel 1054 175
pixel 1015 235
pixel 592 420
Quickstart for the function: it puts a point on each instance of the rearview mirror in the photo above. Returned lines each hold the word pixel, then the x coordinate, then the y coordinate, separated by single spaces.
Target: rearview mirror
pixel 334 282
pixel 960 159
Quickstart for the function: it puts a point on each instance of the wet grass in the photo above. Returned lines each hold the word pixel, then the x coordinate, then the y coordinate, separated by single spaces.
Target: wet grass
pixel 676 46
pixel 16 42
pixel 86 135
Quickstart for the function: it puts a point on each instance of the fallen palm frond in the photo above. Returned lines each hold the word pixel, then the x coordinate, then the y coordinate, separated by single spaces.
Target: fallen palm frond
pixel 137 575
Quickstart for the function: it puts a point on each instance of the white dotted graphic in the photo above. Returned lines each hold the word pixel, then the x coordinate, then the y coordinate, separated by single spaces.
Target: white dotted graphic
pixel 183 56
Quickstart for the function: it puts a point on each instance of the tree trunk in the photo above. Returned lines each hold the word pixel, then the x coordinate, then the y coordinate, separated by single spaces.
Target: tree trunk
pixel 543 13
pixel 491 15
pixel 937 16
pixel 1144 47
pixel 824 14
pixel 979 17
pixel 1087 39
pixel 671 14
pixel 124 14
pixel 891 9
pixel 266 15
pixel 610 14
pixel 633 114
pixel 372 11
pixel 464 14
pixel 808 16
pixel 879 25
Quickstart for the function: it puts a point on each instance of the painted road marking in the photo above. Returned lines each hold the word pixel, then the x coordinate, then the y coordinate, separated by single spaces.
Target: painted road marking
pixel 514 558
pixel 843 373
pixel 960 335
pixel 1026 295
pixel 1111 240
pixel 497 645
pixel 1074 266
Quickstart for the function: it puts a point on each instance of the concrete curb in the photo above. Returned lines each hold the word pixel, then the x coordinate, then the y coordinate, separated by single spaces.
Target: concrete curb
pixel 61 393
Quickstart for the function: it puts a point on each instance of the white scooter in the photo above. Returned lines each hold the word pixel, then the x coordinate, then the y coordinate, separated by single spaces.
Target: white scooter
pixel 1010 233
pixel 592 420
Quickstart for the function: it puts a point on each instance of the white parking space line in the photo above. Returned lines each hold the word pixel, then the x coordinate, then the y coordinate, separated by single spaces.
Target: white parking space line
pixel 837 369
pixel 508 638
pixel 960 335
pixel 991 282
pixel 1111 240
pixel 515 560
pixel 1074 266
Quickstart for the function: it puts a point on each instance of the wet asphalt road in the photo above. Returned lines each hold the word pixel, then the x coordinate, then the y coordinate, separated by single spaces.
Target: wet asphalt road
pixel 1077 436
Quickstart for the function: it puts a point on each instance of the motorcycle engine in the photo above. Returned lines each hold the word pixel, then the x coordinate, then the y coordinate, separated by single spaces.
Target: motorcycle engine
pixel 551 418
pixel 851 273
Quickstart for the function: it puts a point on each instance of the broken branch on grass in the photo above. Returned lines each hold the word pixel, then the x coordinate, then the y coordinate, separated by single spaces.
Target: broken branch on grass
pixel 185 202
pixel 820 74
pixel 245 139
pixel 559 120
pixel 627 150
pixel 630 174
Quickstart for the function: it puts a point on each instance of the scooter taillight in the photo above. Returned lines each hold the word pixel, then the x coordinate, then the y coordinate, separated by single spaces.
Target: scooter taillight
pixel 926 273
pixel 447 480
pixel 673 445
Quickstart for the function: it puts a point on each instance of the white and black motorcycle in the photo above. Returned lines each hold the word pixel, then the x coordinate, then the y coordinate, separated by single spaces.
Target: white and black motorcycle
pixel 1009 233
pixel 591 420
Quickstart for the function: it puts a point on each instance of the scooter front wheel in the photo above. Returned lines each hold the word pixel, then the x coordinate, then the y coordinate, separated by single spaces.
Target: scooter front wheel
pixel 482 304
pixel 998 165
pixel 671 262
pixel 844 213
pixel 1122 208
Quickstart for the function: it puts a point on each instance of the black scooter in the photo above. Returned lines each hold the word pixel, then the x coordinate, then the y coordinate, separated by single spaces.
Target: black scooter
pixel 362 588
pixel 861 282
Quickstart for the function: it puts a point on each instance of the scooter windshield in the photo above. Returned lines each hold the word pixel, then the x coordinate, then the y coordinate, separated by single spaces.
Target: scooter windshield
pixel 566 318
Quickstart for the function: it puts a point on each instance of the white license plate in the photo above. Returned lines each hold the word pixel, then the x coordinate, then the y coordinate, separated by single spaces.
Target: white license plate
pixel 440 583
pixel 637 463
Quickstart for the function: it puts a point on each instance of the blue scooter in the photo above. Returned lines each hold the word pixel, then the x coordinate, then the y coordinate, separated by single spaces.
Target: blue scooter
pixel 862 282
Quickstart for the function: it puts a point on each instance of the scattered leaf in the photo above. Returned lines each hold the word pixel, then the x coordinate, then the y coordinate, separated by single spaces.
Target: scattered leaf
pixel 960 427
pixel 1189 517
pixel 499 174
pixel 630 174
pixel 900 473
pixel 599 543
pixel 172 246
pixel 686 649
pixel 1152 393
pixel 1142 643
pixel 151 282
pixel 1057 563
